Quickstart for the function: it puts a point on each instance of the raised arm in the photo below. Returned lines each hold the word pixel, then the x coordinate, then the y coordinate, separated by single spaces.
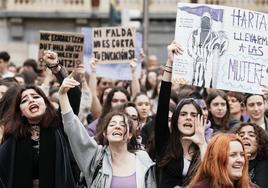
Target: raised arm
pixel 48 77
pixel 86 97
pixel 85 149
pixel 66 85
pixel 96 105
pixel 51 60
pixel 161 126
pixel 135 84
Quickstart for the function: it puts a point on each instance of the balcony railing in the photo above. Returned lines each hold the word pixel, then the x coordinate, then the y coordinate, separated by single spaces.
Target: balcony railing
pixel 161 6
pixel 52 5
pixel 156 6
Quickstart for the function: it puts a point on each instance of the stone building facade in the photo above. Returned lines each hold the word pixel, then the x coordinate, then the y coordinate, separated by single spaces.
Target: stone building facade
pixel 21 20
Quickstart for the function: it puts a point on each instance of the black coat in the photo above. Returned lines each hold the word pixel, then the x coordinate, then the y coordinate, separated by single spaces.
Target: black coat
pixel 57 167
pixel 170 175
pixel 15 170
pixel 258 170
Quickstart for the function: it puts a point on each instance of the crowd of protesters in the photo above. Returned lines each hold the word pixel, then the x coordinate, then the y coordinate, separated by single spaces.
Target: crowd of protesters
pixel 61 129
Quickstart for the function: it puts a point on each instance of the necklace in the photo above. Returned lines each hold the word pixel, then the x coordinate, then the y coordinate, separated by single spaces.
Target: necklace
pixel 35 130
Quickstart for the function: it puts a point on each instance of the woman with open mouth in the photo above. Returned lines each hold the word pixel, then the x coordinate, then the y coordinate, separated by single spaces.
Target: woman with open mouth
pixel 224 166
pixel 35 151
pixel 116 162
pixel 255 140
pixel 179 148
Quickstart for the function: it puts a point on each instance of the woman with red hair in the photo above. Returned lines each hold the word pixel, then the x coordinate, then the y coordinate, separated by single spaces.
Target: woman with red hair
pixel 224 165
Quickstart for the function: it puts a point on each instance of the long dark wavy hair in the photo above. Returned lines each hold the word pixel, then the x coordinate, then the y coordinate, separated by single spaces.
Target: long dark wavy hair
pixel 101 139
pixel 261 137
pixel 5 103
pixel 18 125
pixel 174 149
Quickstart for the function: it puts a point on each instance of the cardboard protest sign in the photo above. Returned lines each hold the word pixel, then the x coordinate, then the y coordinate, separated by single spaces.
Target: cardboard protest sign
pixel 121 71
pixel 224 47
pixel 113 44
pixel 69 47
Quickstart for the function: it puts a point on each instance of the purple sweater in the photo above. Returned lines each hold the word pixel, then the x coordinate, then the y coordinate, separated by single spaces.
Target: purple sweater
pixel 91 128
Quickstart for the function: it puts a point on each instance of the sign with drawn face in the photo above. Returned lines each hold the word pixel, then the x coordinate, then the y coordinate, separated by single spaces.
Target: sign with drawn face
pixel 68 46
pixel 224 47
pixel 113 45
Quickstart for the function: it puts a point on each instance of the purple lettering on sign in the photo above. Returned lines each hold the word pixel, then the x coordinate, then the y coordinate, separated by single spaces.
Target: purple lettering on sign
pixel 245 71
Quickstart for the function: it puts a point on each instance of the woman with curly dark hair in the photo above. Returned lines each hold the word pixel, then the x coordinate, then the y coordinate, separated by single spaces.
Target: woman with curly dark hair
pixel 255 140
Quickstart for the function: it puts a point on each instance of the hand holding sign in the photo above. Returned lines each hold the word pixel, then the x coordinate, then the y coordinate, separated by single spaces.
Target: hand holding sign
pixel 174 48
pixel 93 65
pixel 143 55
pixel 133 65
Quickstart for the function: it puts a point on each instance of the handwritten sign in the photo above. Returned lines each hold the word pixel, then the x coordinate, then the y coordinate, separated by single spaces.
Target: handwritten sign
pixel 224 47
pixel 120 71
pixel 69 47
pixel 113 44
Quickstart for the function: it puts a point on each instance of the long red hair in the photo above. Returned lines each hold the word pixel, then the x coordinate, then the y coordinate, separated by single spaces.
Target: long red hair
pixel 214 165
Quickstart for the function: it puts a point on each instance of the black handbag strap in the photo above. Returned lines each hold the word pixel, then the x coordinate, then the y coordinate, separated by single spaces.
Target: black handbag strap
pixel 98 167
